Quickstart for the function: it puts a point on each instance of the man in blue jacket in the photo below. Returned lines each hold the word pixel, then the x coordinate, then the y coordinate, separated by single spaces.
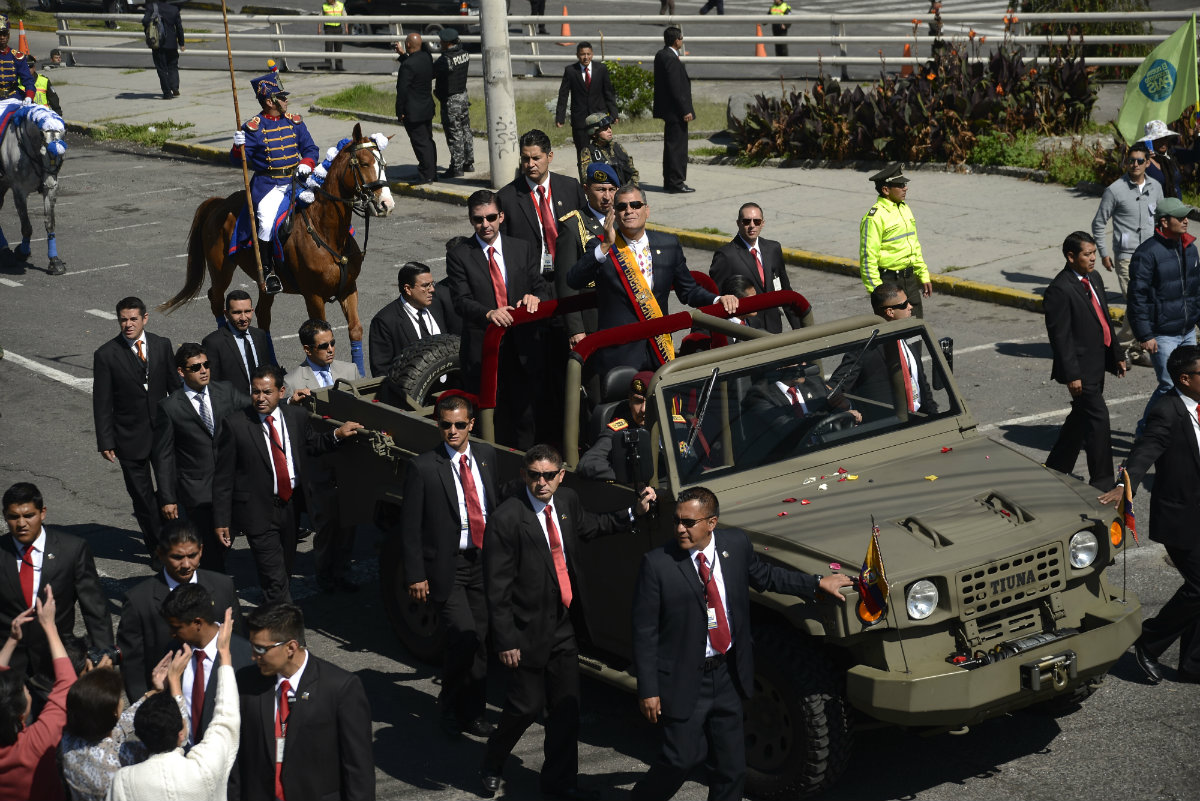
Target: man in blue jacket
pixel 1164 291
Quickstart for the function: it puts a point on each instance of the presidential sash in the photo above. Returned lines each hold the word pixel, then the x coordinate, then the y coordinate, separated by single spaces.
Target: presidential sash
pixel 645 305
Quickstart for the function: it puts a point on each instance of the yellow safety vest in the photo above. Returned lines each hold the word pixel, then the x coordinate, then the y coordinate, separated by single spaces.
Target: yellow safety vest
pixel 888 241
pixel 41 84
pixel 337 9
pixel 782 8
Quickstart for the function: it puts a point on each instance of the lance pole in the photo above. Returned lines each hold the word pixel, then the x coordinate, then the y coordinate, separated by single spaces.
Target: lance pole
pixel 237 126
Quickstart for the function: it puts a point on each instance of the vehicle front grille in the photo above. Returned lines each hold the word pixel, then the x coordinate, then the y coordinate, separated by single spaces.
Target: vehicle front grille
pixel 1014 580
pixel 1002 627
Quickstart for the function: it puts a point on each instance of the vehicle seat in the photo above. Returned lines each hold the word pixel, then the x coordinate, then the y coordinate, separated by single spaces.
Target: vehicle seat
pixel 614 393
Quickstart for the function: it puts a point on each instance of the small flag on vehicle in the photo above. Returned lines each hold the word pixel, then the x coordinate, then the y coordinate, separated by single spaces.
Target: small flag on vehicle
pixel 1127 506
pixel 872 582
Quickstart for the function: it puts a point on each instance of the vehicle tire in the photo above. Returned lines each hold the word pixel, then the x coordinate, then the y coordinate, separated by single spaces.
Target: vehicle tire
pixel 415 624
pixel 798 737
pixel 418 370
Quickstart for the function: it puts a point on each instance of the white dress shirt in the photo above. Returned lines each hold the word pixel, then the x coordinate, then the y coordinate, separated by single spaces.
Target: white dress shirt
pixel 281 429
pixel 189 676
pixel 641 252
pixel 464 533
pixel 718 577
pixel 293 682
pixel 415 315
pixel 539 512
pixel 1190 405
pixel 246 343
pixel 499 256
pixel 533 194
pixel 172 583
pixel 786 389
pixel 913 383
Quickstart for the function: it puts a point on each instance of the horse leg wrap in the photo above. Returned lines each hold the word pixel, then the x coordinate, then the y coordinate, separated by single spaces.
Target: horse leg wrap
pixel 51 246
pixel 23 249
pixel 356 354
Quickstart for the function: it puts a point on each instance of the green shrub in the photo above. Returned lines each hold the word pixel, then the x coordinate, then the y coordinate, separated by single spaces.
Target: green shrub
pixel 996 148
pixel 634 88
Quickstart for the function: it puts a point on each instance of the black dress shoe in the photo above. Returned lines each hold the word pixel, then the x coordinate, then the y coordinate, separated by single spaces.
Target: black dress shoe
pixel 490 782
pixel 174 93
pixel 1187 677
pixel 679 190
pixel 1149 665
pixel 480 728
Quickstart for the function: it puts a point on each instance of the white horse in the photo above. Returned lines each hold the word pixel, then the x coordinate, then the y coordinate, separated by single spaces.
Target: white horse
pixel 31 153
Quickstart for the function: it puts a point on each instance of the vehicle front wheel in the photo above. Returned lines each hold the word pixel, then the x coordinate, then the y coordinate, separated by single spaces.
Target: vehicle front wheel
pixel 798 737
pixel 415 624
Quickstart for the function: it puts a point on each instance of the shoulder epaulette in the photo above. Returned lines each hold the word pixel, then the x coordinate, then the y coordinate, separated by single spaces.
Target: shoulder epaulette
pixel 619 424
pixel 570 214
pixel 871 213
pixel 253 123
pixel 294 117
pixel 17 54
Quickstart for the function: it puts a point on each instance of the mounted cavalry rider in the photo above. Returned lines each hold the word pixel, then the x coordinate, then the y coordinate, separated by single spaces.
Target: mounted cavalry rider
pixel 16 82
pixel 278 147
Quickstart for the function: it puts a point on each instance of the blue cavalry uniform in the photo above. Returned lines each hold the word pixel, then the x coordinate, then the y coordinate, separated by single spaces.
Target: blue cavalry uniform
pixel 16 82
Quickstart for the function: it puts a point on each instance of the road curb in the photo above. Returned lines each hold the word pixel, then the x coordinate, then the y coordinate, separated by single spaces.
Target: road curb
pixel 192 150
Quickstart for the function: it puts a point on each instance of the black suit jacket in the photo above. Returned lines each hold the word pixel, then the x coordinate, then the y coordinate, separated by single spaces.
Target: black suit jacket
pixel 172 24
pixel 672 87
pixel 224 351
pixel 736 259
pixel 614 307
pixel 1168 442
pixel 521 218
pixel 392 330
pixel 414 87
pixel 126 392
pixel 243 485
pixel 585 100
pixel 327 753
pixel 1076 338
pixel 569 250
pixel 142 634
pixel 670 618
pixel 430 522
pixel 471 287
pixel 184 454
pixel 522 585
pixel 872 376
pixel 69 570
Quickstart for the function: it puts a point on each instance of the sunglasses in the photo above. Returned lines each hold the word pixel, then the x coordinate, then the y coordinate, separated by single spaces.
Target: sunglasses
pixel 261 650
pixel 688 522
pixel 547 476
pixel 899 306
pixel 197 367
pixel 1137 161
pixel 478 219
pixel 326 345
pixel 633 204
pixel 461 425
pixel 747 221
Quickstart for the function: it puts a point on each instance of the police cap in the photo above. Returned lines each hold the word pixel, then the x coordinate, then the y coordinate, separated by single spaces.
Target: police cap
pixel 892 175
pixel 599 172
pixel 448 35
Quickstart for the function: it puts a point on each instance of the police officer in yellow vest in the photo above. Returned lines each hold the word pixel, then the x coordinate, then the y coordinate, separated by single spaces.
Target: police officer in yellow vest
pixel 779 8
pixel 888 248
pixel 43 92
pixel 333 9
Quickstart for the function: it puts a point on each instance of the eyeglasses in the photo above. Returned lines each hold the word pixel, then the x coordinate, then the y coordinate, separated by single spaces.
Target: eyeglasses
pixel 547 476
pixel 461 425
pixel 1136 161
pixel 326 345
pixel 747 221
pixel 261 650
pixel 478 219
pixel 197 367
pixel 688 522
pixel 633 204
pixel 899 306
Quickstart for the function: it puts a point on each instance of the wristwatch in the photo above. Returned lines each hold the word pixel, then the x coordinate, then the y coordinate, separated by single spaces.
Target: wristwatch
pixel 817 589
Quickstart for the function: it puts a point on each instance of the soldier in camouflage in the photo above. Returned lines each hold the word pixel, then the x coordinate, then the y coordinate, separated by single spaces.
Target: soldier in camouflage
pixel 450 88
pixel 604 149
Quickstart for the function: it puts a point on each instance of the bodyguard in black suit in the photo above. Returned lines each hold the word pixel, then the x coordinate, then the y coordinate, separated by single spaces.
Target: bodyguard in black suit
pixel 235 349
pixel 1170 441
pixel 142 634
pixel 579 232
pixel 442 525
pixel 421 311
pixel 1085 346
pixel 520 200
pixel 761 261
pixel 131 373
pixel 414 104
pixel 590 90
pixel 258 482
pixel 529 555
pixel 184 456
pixel 327 737
pixel 693 651
pixel 59 561
pixel 668 268
pixel 673 105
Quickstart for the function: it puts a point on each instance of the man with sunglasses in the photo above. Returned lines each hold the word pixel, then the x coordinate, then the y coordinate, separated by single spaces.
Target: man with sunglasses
pixel 1129 202
pixel 694 662
pixel 185 429
pixel 604 149
pixel 760 260
pixel 449 494
pixel 306 723
pixel 531 551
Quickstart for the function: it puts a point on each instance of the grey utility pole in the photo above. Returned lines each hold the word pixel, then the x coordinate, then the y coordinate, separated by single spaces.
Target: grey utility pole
pixel 503 150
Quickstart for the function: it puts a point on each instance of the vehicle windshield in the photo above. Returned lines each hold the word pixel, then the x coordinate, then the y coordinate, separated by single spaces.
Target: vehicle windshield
pixel 804 403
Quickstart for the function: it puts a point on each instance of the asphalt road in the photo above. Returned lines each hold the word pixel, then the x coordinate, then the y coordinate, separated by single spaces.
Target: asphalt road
pixel 123 222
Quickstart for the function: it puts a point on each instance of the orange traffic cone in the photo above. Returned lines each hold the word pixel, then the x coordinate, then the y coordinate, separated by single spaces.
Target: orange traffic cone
pixel 907 69
pixel 760 49
pixel 22 45
pixel 566 30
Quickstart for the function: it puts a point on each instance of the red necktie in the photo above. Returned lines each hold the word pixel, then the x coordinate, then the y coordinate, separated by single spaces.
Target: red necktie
pixel 560 560
pixel 906 374
pixel 141 354
pixel 587 77
pixel 283 479
pixel 197 694
pixel 27 576
pixel 797 404
pixel 497 280
pixel 1099 311
pixel 762 278
pixel 281 719
pixel 719 637
pixel 549 228
pixel 474 508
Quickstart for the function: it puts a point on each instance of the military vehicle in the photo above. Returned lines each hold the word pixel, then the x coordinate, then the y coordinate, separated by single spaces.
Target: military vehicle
pixel 998 568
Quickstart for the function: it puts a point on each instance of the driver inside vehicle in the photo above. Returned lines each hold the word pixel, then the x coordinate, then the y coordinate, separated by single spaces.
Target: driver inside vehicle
pixel 793 392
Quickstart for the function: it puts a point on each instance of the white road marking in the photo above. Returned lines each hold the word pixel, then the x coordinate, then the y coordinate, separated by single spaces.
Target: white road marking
pixel 9 282
pixel 103 315
pixel 1033 418
pixel 297 336
pixel 123 227
pixel 94 269
pixel 82 384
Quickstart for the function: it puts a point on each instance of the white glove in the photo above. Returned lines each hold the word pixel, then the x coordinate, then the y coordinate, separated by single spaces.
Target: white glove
pixel 303 170
pixel 27 102
pixel 239 137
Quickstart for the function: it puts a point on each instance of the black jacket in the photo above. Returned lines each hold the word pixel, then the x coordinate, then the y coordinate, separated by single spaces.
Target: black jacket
pixel 1168 442
pixel 414 87
pixel 1164 287
pixel 736 259
pixel 172 24
pixel 126 392
pixel 184 455
pixel 672 86
pixel 585 100
pixel 1076 338
pixel 875 378
pixel 568 250
pixel 521 218
pixel 224 351
pixel 392 330
pixel 450 72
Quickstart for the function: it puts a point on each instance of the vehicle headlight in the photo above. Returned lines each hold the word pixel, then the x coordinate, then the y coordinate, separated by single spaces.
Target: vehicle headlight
pixel 1084 548
pixel 921 599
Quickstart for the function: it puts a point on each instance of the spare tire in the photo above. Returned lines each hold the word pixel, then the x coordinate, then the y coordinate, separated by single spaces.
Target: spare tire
pixel 422 371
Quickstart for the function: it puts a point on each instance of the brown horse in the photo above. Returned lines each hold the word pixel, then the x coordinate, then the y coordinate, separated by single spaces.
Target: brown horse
pixel 322 259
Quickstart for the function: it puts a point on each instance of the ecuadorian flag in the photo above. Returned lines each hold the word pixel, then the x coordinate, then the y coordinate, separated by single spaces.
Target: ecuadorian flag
pixel 1127 506
pixel 872 582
